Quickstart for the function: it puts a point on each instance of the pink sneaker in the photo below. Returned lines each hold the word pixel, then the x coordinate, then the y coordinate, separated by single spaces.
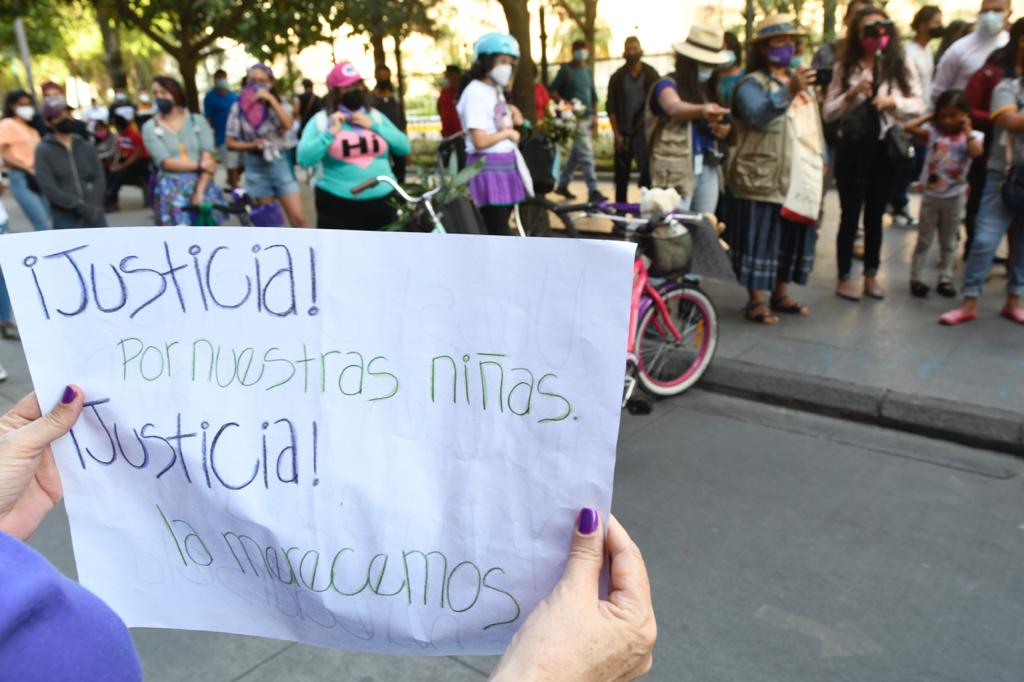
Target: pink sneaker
pixel 1014 314
pixel 957 316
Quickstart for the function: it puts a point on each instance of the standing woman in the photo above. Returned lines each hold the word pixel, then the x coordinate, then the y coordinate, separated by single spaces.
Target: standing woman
pixel 258 126
pixel 873 88
pixel 685 122
pixel 730 73
pixel 180 143
pixel 18 141
pixel 775 173
pixel 353 143
pixel 491 136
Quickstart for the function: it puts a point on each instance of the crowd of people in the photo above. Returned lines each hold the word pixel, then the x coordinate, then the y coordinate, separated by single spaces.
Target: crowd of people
pixel 750 132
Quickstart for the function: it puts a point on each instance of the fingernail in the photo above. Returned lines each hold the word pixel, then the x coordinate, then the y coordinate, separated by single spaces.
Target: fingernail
pixel 69 395
pixel 588 521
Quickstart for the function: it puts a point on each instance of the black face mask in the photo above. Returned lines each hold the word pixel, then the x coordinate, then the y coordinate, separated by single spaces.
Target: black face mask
pixel 384 85
pixel 936 32
pixel 164 105
pixel 65 125
pixel 353 100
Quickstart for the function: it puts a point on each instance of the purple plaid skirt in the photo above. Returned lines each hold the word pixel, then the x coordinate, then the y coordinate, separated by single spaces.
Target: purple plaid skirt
pixel 498 182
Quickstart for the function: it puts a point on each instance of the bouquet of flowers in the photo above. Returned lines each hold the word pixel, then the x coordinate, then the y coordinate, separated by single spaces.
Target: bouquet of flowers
pixel 561 120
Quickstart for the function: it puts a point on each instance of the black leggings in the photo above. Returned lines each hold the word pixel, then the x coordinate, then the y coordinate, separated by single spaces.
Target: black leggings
pixel 496 219
pixel 335 213
pixel 857 192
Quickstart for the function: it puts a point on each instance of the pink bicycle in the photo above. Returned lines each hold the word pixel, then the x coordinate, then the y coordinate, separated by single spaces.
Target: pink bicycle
pixel 673 325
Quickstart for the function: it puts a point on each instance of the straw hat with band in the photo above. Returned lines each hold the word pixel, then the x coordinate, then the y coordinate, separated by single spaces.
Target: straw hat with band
pixel 704 45
pixel 775 26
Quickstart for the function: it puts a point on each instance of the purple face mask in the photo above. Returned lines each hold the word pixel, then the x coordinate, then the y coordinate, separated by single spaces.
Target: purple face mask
pixel 781 56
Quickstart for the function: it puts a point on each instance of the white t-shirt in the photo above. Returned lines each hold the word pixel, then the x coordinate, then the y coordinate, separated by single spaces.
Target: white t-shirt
pixel 483 107
pixel 924 60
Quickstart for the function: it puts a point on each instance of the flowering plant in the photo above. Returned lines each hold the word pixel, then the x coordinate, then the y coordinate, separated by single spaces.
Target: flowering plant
pixel 560 121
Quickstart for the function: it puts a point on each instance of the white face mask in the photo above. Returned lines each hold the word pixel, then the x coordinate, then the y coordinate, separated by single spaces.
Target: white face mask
pixel 580 55
pixel 991 22
pixel 704 73
pixel 501 74
pixel 25 112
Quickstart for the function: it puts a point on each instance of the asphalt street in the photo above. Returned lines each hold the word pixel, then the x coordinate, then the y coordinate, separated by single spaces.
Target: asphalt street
pixel 781 546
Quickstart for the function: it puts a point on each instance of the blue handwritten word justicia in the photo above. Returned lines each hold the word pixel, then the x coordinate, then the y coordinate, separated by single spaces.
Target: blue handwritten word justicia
pixel 262 279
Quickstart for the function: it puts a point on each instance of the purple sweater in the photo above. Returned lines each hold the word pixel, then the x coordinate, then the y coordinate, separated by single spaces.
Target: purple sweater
pixel 52 628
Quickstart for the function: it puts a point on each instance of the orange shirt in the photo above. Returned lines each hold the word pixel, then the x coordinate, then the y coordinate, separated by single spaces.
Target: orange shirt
pixel 18 142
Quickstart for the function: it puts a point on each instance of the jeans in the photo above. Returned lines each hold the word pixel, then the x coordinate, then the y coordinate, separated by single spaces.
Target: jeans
pixel 855 194
pixel 899 191
pixel 581 154
pixel 635 149
pixel 994 220
pixel 5 299
pixel 34 206
pixel 62 220
pixel 705 192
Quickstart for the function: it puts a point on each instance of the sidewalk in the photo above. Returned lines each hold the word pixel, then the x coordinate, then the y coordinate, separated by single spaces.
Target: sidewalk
pixel 867 360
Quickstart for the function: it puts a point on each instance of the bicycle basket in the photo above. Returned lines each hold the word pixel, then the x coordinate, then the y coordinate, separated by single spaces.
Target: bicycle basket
pixel 669 247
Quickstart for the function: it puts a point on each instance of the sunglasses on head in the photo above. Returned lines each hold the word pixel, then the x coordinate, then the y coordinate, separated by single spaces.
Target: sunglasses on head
pixel 879 29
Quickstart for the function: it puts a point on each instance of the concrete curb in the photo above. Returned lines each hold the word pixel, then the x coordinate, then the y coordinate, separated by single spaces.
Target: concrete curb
pixel 972 425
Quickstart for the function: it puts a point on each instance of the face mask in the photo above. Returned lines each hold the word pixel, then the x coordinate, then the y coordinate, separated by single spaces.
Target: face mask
pixel 100 134
pixel 781 56
pixel 66 125
pixel 445 82
pixel 501 74
pixel 873 45
pixel 580 55
pixel 120 97
pixel 221 85
pixel 732 59
pixel 704 73
pixel 25 112
pixel 164 105
pixel 384 85
pixel 936 32
pixel 796 63
pixel 353 100
pixel 990 23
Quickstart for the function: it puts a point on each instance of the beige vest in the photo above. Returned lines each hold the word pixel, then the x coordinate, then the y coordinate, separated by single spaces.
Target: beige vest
pixel 760 161
pixel 671 151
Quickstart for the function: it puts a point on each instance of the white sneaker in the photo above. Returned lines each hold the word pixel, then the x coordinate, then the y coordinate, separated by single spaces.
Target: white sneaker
pixel 3 373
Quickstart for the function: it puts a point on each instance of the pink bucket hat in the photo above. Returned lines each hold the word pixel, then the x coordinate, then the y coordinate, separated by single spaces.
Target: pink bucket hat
pixel 343 75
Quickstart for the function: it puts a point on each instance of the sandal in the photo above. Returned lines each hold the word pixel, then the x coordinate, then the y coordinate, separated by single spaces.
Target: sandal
pixel 788 306
pixel 946 289
pixel 920 289
pixel 1013 314
pixel 764 317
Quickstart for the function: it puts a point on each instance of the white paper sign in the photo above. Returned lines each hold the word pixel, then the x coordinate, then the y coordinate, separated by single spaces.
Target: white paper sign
pixel 374 442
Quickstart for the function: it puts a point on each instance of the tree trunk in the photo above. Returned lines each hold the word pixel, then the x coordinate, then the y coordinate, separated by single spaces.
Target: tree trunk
pixel 106 17
pixel 829 29
pixel 379 55
pixel 589 30
pixel 189 65
pixel 517 14
pixel 399 71
pixel 749 17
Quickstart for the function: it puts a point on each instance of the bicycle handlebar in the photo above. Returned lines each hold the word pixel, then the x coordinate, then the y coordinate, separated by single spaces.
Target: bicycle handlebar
pixel 388 180
pixel 363 186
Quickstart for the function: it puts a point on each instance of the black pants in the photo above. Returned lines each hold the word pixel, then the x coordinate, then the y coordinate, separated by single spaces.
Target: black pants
pixel 135 174
pixel 858 191
pixel 335 213
pixel 976 182
pixel 496 219
pixel 635 149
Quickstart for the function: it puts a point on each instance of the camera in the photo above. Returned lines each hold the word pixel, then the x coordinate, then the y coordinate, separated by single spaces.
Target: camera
pixel 879 29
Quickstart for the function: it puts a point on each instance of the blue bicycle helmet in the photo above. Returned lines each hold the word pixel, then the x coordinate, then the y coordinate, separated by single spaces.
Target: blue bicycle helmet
pixel 496 43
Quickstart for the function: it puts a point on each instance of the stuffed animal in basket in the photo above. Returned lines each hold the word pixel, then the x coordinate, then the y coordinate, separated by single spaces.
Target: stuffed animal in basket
pixel 658 200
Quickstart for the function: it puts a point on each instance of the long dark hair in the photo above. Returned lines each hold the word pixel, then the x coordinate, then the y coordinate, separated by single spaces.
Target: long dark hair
pixel 333 99
pixel 891 66
pixel 172 86
pixel 12 97
pixel 732 43
pixel 1007 57
pixel 688 85
pixel 481 67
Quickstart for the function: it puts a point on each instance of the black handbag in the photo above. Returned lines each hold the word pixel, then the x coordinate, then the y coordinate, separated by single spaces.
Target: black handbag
pixel 1013 185
pixel 899 149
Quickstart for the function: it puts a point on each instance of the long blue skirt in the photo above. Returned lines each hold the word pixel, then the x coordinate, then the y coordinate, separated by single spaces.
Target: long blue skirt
pixel 765 247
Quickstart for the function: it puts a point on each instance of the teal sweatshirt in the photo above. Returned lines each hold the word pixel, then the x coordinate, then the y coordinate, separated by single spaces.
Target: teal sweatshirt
pixel 352 156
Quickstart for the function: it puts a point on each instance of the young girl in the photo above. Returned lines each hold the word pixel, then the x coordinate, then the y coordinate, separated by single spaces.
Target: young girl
pixel 489 122
pixel 951 145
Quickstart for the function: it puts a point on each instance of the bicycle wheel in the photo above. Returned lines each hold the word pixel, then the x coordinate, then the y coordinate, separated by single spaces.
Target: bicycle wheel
pixel 539 218
pixel 665 366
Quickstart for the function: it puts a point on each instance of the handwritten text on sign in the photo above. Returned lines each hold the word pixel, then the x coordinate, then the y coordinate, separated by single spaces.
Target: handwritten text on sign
pixel 363 441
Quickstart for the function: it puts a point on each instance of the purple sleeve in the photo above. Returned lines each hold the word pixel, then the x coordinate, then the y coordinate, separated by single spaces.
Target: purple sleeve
pixel 52 628
pixel 659 87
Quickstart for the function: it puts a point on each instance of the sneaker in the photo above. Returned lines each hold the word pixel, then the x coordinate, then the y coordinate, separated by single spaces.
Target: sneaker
pixel 596 197
pixel 904 219
pixel 3 373
pixel 563 191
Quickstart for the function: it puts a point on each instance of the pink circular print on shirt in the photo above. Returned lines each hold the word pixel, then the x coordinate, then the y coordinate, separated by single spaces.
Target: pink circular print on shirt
pixel 358 148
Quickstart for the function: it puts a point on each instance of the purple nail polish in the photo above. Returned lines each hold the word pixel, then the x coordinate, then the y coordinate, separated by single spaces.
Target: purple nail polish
pixel 588 521
pixel 69 395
